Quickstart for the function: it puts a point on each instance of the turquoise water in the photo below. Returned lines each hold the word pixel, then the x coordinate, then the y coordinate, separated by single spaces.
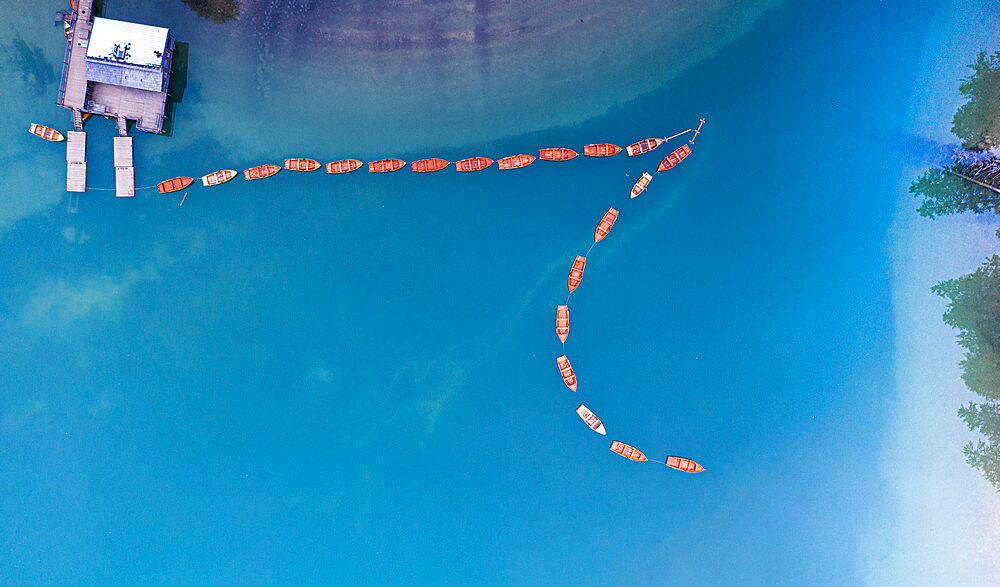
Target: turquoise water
pixel 323 379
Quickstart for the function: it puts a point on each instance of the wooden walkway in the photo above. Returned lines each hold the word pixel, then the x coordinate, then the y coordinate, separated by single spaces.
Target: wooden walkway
pixel 76 161
pixel 76 80
pixel 124 171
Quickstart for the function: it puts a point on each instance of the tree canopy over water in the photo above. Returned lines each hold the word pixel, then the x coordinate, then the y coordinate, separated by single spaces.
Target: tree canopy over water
pixel 217 11
pixel 971 183
pixel 977 122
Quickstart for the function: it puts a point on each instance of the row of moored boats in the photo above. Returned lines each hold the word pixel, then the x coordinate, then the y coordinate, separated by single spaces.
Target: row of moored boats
pixel 435 164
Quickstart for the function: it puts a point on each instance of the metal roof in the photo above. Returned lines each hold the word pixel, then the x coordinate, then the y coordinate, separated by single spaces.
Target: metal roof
pixel 117 41
pixel 119 75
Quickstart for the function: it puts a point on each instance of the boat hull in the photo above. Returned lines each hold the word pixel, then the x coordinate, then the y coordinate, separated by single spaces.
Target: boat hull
pixel 428 165
pixel 260 172
pixel 562 322
pixel 604 227
pixel 344 166
pixel 601 150
pixel 299 164
pixel 386 165
pixel 591 420
pixel 556 154
pixel 515 161
pixel 644 146
pixel 628 451
pixel 218 177
pixel 576 272
pixel 641 185
pixel 45 132
pixel 173 184
pixel 683 464
pixel 566 370
pixel 473 164
pixel 674 158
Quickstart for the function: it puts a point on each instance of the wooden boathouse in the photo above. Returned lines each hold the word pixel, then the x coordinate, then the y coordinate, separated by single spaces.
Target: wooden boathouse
pixel 115 69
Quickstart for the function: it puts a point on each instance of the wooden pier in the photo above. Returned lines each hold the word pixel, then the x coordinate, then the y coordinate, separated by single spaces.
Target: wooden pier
pixel 119 70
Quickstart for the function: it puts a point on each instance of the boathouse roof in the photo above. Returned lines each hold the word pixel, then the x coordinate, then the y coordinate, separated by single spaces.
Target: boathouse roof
pixel 127 43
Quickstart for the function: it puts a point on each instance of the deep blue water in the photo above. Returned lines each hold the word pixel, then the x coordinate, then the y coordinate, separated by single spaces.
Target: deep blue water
pixel 326 379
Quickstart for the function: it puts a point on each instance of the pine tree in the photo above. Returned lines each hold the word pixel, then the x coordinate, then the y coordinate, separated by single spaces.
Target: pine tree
pixel 977 122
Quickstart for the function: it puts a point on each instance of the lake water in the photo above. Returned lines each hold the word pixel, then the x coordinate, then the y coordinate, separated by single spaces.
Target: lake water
pixel 340 379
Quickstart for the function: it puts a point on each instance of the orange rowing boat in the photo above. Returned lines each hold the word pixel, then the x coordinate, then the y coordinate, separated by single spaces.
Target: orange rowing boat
pixel 556 154
pixel 49 134
pixel 640 185
pixel 473 164
pixel 674 158
pixel 515 161
pixel 261 171
pixel 683 464
pixel 301 164
pixel 221 176
pixel 428 165
pixel 576 273
pixel 644 146
pixel 569 377
pixel 628 451
pixel 605 225
pixel 174 184
pixel 593 421
pixel 344 166
pixel 601 150
pixel 562 322
pixel 386 165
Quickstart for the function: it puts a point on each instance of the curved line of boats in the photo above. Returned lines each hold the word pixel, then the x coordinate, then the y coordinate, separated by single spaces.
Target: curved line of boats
pixel 573 281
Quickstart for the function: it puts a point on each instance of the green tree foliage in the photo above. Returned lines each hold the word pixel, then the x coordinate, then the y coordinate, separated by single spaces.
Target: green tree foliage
pixel 217 11
pixel 959 187
pixel 974 309
pixel 977 122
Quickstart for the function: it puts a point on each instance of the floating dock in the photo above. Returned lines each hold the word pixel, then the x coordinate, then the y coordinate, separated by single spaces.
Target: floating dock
pixel 76 161
pixel 124 171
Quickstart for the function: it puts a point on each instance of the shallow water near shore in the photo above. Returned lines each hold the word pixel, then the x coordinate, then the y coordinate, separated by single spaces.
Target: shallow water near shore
pixel 321 378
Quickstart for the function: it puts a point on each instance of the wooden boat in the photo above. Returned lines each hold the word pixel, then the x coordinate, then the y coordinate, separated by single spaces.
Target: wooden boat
pixel 644 146
pixel 569 377
pixel 605 225
pixel 473 164
pixel 556 154
pixel 301 164
pixel 640 185
pixel 682 464
pixel 562 322
pixel 601 150
pixel 174 184
pixel 261 171
pixel 49 134
pixel 386 165
pixel 674 158
pixel 217 177
pixel 593 421
pixel 344 166
pixel 428 165
pixel 627 451
pixel 515 161
pixel 576 273
pixel 68 29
